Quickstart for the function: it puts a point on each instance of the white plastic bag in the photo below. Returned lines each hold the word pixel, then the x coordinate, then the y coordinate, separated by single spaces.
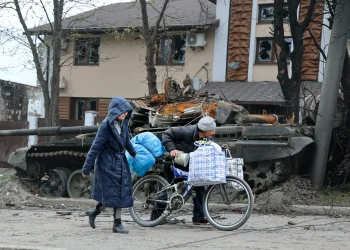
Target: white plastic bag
pixel 207 165
pixel 234 166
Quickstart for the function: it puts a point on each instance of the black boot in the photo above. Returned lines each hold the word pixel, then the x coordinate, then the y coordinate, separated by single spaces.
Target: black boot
pixel 92 213
pixel 118 227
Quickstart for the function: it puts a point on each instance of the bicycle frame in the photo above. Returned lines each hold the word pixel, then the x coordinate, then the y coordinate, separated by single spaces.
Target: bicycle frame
pixel 185 195
pixel 173 199
pixel 180 174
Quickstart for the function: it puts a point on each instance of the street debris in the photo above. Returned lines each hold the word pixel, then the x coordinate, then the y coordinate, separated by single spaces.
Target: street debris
pixel 63 213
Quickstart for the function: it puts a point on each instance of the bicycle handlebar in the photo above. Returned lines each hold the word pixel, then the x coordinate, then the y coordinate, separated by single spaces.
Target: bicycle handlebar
pixel 166 154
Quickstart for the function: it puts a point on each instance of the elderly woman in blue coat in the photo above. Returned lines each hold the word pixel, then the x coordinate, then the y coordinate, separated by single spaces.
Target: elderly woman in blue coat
pixel 112 182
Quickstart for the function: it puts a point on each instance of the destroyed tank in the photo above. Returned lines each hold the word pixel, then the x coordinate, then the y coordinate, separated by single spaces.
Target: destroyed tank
pixel 271 154
pixel 271 151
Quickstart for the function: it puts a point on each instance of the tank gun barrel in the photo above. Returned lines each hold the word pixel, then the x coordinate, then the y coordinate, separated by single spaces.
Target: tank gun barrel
pixel 49 131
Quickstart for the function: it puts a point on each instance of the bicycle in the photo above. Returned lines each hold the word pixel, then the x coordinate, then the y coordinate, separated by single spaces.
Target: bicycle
pixel 154 195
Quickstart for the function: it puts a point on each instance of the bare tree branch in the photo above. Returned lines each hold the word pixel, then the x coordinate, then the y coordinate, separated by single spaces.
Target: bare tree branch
pixel 47 16
pixel 156 28
pixel 317 45
pixel 308 16
pixel 330 7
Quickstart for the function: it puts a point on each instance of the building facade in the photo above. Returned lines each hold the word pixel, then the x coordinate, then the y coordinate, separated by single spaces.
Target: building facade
pixel 237 48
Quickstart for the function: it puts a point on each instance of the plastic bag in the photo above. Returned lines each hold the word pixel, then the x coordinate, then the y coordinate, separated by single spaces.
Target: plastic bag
pixel 143 161
pixel 207 165
pixel 150 142
pixel 234 167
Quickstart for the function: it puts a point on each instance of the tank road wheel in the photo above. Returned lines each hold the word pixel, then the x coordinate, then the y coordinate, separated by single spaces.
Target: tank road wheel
pixel 78 187
pixel 66 170
pixel 56 186
pixel 35 170
pixel 263 175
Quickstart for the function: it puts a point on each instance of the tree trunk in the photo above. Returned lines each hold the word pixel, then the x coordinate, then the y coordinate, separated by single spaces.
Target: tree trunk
pixel 345 83
pixel 150 52
pixel 33 48
pixel 53 119
pixel 50 93
pixel 330 89
pixel 151 36
pixel 151 70
pixel 290 86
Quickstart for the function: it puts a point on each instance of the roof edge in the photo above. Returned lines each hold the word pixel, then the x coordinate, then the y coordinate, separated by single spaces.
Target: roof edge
pixel 95 31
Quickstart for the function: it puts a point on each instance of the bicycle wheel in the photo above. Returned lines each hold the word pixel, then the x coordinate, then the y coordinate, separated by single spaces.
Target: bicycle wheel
pixel 150 201
pixel 228 206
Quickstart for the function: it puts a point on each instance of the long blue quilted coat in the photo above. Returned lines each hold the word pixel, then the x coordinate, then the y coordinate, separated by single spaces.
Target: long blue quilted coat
pixel 112 182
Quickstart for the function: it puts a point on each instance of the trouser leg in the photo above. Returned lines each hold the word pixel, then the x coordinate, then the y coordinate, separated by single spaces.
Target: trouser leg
pixel 100 207
pixel 159 208
pixel 117 213
pixel 198 209
pixel 92 213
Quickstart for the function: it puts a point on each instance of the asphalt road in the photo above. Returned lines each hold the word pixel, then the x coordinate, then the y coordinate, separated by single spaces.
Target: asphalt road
pixel 44 229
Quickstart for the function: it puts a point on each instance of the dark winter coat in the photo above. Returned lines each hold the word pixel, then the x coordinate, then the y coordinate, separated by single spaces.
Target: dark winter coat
pixel 112 182
pixel 181 138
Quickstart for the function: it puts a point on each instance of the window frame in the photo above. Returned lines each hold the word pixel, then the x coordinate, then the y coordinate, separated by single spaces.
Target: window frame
pixel 74 106
pixel 272 51
pixel 273 54
pixel 268 21
pixel 170 59
pixel 89 51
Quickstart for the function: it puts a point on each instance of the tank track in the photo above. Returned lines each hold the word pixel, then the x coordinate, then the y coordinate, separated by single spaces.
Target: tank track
pixel 57 153
pixel 266 174
pixel 259 175
pixel 40 163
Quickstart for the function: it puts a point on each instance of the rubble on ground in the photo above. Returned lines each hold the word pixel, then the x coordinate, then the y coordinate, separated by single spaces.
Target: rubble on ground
pixel 11 192
pixel 295 191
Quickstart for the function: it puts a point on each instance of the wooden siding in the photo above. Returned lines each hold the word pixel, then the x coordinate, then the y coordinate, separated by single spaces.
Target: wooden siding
pixel 239 37
pixel 102 107
pixel 312 55
pixel 64 107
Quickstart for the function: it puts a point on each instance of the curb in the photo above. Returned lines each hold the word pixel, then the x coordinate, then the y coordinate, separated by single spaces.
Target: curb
pixel 15 247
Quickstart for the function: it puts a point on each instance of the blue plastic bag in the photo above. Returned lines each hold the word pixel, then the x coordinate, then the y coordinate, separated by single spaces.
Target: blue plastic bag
pixel 143 161
pixel 150 142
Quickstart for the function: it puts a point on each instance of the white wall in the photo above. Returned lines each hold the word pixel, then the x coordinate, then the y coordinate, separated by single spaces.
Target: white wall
pixel 221 40
pixel 252 45
pixel 325 37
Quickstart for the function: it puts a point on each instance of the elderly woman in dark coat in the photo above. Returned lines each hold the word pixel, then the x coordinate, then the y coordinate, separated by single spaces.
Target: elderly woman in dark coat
pixel 112 182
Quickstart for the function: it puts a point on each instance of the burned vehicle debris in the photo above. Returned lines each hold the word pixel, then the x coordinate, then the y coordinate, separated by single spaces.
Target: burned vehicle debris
pixel 271 151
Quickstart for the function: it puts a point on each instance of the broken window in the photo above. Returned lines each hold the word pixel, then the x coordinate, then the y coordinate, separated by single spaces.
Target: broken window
pixel 81 106
pixel 288 47
pixel 266 51
pixel 87 51
pixel 267 11
pixel 171 50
